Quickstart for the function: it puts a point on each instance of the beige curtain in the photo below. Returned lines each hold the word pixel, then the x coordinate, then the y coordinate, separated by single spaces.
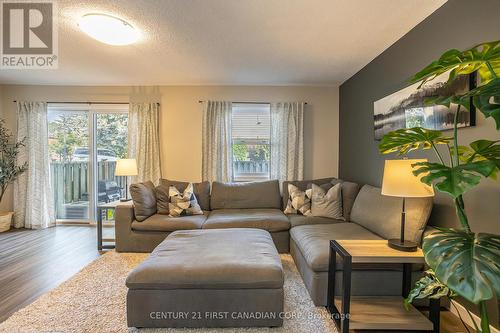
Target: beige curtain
pixel 216 141
pixel 33 197
pixel 144 141
pixel 287 141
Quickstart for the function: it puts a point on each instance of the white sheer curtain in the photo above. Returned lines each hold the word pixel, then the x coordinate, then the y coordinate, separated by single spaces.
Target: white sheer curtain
pixel 216 141
pixel 144 141
pixel 33 198
pixel 287 141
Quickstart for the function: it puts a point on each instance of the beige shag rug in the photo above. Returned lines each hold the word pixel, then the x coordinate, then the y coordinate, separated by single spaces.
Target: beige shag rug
pixel 94 301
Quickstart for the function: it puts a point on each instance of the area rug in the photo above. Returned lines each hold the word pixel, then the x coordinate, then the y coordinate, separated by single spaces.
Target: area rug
pixel 94 301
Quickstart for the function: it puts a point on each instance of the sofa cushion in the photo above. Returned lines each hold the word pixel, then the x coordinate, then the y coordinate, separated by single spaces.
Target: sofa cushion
pixel 313 241
pixel 296 220
pixel 211 259
pixel 144 198
pixel 382 214
pixel 349 191
pixel 201 191
pixel 245 195
pixel 166 223
pixel 271 220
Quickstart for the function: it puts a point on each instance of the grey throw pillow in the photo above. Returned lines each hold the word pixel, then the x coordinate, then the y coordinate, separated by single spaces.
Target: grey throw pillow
pixel 144 198
pixel 299 201
pixel 182 204
pixel 327 203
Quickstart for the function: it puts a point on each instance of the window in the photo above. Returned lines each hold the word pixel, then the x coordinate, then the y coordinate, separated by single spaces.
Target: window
pixel 251 131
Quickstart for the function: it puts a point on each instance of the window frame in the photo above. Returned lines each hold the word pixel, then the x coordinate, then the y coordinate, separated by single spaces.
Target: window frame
pixel 250 177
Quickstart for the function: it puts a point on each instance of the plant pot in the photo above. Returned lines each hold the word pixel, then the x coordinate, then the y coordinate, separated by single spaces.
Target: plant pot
pixel 5 220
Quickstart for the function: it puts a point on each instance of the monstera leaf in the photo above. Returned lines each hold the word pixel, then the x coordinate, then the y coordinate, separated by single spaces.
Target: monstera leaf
pixel 485 150
pixel 480 58
pixel 487 99
pixel 405 140
pixel 468 263
pixel 453 180
pixel 481 150
pixel 428 286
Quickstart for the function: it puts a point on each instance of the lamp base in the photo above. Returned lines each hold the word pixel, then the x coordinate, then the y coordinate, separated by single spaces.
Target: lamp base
pixel 399 245
pixel 124 199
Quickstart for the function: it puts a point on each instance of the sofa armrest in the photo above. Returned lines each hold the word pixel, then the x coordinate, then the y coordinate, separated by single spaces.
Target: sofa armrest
pixel 124 216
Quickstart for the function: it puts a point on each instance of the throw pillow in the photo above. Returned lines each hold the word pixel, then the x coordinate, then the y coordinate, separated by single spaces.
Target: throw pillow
pixel 182 204
pixel 201 191
pixel 144 198
pixel 162 199
pixel 299 202
pixel 327 203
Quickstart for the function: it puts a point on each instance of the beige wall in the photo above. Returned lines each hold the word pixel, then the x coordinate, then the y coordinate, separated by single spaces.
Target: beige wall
pixel 181 118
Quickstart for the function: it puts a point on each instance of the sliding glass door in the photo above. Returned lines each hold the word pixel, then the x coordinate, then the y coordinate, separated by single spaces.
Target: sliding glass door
pixel 85 141
pixel 69 163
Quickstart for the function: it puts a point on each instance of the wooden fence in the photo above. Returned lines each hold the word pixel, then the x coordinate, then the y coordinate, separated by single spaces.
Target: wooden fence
pixel 71 181
pixel 250 170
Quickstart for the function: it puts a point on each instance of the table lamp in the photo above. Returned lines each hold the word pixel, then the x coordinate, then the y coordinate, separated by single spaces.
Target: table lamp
pixel 399 181
pixel 126 167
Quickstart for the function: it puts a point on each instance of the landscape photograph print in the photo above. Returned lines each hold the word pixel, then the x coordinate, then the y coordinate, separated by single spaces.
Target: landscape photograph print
pixel 406 108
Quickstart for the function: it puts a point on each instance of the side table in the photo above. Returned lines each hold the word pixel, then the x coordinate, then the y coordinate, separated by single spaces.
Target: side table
pixel 375 312
pixel 100 208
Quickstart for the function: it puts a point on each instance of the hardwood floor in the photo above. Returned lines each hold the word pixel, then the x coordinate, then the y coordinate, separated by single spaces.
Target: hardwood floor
pixel 32 262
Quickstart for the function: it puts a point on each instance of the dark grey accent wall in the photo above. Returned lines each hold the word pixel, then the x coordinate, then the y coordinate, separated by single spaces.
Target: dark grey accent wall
pixel 457 24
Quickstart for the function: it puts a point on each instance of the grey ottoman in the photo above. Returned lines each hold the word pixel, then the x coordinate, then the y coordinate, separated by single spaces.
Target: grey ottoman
pixel 208 278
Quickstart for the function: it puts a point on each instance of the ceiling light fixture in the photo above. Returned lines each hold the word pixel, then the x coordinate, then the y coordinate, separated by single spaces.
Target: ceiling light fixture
pixel 108 29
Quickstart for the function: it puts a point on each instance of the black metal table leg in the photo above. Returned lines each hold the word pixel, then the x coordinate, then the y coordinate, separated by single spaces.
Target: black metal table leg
pixel 341 316
pixel 434 313
pixel 332 268
pixel 346 293
pixel 406 280
pixel 99 229
pixel 434 304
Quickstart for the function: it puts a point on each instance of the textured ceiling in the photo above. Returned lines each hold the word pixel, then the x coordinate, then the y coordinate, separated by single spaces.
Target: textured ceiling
pixel 256 42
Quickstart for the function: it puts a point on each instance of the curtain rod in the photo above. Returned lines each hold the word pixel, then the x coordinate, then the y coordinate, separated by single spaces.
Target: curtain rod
pixel 249 102
pixel 86 102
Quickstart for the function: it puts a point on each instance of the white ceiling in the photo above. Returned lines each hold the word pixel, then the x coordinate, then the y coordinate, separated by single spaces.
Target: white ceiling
pixel 233 42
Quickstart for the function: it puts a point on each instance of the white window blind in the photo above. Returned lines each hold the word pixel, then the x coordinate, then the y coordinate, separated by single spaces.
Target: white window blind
pixel 251 131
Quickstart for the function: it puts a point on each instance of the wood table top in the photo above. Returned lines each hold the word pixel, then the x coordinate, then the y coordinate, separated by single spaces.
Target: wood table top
pixel 377 251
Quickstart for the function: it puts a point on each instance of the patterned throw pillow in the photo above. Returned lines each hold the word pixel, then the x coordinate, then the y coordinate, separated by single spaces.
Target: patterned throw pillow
pixel 299 202
pixel 182 204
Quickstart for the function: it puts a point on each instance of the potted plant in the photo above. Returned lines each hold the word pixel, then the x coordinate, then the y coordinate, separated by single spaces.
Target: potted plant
pixel 462 262
pixel 9 170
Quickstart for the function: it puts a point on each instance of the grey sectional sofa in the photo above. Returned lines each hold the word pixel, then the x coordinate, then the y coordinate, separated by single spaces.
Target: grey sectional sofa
pixel 367 215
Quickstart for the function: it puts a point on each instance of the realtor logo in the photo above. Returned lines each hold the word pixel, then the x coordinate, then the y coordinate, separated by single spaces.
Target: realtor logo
pixel 29 35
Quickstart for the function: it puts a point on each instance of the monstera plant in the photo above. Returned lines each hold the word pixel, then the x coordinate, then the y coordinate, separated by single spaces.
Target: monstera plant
pixel 462 262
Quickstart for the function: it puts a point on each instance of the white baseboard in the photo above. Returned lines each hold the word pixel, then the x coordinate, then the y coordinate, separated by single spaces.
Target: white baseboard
pixel 465 316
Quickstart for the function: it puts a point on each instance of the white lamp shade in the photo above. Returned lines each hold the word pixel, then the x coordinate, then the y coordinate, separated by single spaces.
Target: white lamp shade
pixel 399 180
pixel 126 167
